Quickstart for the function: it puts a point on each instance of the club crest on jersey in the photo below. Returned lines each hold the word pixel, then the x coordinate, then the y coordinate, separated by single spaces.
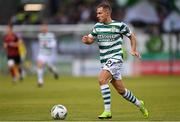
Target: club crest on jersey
pixel 113 29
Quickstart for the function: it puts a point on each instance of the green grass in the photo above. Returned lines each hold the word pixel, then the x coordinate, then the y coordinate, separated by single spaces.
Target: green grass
pixel 81 95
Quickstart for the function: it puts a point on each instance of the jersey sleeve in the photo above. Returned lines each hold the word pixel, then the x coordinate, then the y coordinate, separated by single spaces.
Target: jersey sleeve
pixel 16 38
pixel 125 30
pixel 93 33
pixel 52 42
pixel 38 36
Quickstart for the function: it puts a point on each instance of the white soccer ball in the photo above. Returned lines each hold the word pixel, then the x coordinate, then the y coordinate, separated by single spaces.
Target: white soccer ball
pixel 58 112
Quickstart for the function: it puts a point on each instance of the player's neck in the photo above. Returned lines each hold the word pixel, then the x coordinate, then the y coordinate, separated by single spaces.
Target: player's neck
pixel 44 32
pixel 109 20
pixel 10 33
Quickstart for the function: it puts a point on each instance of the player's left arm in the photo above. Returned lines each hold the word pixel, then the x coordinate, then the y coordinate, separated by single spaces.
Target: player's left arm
pixel 133 42
pixel 127 32
pixel 52 42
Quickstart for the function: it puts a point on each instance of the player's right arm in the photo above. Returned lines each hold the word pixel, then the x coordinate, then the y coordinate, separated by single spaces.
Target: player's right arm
pixel 87 39
pixel 5 45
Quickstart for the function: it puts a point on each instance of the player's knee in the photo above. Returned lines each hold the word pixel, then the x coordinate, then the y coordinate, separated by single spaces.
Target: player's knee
pixel 102 81
pixel 121 91
pixel 39 64
pixel 11 63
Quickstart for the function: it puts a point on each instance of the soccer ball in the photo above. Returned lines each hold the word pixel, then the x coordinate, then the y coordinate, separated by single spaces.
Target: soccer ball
pixel 58 112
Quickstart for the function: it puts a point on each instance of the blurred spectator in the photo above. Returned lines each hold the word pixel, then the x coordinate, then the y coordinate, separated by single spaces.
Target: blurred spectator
pixel 137 12
pixel 172 22
pixel 85 15
pixel 142 12
pixel 25 18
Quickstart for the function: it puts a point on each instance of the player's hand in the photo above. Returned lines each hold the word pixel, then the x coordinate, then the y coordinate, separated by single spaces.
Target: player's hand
pixel 87 40
pixel 136 54
pixel 5 45
pixel 84 39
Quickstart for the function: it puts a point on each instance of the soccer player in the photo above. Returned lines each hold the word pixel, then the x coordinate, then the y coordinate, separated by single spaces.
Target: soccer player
pixel 11 45
pixel 46 56
pixel 109 36
pixel 22 53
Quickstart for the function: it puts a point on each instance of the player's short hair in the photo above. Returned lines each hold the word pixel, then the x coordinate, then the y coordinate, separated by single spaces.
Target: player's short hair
pixel 44 22
pixel 10 24
pixel 105 5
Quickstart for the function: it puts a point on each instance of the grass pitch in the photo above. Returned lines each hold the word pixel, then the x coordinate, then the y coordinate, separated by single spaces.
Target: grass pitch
pixel 81 95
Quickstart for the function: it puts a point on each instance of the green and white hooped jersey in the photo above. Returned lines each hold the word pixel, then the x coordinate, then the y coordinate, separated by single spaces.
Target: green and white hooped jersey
pixel 47 43
pixel 110 38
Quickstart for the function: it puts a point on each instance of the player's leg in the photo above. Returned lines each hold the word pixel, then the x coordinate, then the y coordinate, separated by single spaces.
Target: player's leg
pixel 21 72
pixel 128 95
pixel 104 78
pixel 40 73
pixel 18 67
pixel 16 70
pixel 11 65
pixel 40 70
pixel 52 69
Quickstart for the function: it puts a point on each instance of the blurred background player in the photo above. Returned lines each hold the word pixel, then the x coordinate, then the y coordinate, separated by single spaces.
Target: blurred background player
pixel 23 53
pixel 11 45
pixel 46 56
pixel 109 36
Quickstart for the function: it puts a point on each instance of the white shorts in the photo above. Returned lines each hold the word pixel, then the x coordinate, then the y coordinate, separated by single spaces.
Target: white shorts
pixel 115 67
pixel 48 59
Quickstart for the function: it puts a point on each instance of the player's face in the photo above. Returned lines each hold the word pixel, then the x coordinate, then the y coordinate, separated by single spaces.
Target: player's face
pixel 44 28
pixel 102 14
pixel 9 29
